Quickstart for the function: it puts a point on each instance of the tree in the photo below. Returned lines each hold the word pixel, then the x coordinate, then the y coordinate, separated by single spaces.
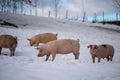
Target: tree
pixel 83 10
pixel 56 5
pixel 21 6
pixel 14 5
pixel 116 4
pixel 49 13
pixel 36 7
pixel 94 18
pixel 66 14
pixel 84 16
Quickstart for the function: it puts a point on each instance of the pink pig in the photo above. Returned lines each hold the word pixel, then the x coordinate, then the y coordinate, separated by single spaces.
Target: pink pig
pixel 63 46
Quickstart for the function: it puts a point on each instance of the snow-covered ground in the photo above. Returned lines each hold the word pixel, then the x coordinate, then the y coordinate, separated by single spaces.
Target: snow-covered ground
pixel 25 65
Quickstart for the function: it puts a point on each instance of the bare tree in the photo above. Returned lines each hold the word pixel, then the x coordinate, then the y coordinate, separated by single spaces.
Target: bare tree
pixel 84 16
pixel 49 13
pixel 14 5
pixel 56 3
pixel 21 6
pixel 83 10
pixel 66 14
pixel 36 7
pixel 116 4
pixel 94 18
pixel 3 5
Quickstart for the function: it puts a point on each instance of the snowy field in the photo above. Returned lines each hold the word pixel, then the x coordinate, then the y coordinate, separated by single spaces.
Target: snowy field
pixel 25 65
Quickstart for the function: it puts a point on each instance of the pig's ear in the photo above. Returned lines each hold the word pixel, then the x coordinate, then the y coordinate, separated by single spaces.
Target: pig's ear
pixel 78 40
pixel 56 34
pixel 89 46
pixel 28 39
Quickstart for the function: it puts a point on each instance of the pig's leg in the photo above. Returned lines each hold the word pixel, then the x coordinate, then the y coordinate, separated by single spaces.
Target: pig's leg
pixel 76 55
pixel 98 59
pixel 93 58
pixel 111 58
pixel 47 56
pixel 11 51
pixel 53 56
pixel 107 58
pixel 0 50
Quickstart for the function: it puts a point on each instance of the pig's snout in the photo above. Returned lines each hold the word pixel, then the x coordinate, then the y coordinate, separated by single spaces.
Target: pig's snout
pixel 39 55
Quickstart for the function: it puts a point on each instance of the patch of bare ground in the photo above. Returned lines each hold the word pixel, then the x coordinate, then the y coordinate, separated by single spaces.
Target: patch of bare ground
pixel 109 29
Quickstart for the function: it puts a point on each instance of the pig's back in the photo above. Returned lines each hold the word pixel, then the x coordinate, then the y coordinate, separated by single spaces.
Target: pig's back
pixel 63 46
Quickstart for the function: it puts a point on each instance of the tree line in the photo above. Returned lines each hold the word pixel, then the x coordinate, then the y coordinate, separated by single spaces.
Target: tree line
pixel 14 6
pixel 23 6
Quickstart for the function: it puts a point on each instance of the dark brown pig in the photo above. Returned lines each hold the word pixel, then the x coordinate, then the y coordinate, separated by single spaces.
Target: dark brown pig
pixel 101 51
pixel 63 46
pixel 8 41
pixel 42 38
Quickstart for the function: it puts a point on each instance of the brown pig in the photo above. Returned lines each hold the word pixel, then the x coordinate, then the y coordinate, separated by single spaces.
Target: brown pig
pixel 101 51
pixel 63 46
pixel 8 41
pixel 42 38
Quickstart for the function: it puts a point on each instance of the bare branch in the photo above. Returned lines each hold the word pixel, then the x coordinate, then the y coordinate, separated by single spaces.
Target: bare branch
pixel 116 4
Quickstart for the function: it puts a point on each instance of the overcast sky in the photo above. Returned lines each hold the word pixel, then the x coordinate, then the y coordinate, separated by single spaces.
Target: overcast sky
pixel 75 7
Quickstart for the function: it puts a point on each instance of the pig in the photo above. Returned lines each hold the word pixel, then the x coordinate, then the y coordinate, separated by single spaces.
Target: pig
pixel 63 46
pixel 8 41
pixel 101 51
pixel 42 38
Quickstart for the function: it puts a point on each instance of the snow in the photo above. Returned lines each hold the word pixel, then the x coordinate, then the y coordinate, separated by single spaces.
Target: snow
pixel 25 65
